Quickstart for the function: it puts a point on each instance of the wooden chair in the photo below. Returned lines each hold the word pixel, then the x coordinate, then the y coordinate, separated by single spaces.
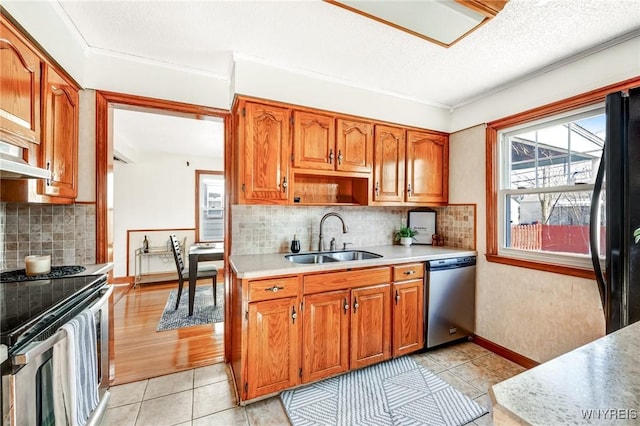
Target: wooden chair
pixel 183 275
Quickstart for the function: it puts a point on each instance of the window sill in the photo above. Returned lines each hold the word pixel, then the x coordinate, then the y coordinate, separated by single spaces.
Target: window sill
pixel 540 266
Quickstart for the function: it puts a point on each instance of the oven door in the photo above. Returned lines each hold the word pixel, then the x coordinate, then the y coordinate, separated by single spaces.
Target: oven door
pixel 32 382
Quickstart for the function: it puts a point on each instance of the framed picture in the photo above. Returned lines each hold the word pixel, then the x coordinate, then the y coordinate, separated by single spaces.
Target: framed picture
pixel 422 220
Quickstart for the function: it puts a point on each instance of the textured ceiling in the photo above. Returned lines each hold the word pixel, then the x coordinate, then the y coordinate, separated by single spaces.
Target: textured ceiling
pixel 139 136
pixel 316 37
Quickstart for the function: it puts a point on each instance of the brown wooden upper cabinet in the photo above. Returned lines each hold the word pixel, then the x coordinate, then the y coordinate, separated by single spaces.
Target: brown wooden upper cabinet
pixel 20 79
pixel 60 145
pixel 39 112
pixel 427 167
pixel 263 142
pixel 388 169
pixel 323 142
pixel 411 166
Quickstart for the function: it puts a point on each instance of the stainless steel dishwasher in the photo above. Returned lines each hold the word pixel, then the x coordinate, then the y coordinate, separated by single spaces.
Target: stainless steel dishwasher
pixel 450 300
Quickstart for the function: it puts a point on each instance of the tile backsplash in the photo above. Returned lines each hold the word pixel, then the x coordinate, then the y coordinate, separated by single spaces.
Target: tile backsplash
pixel 66 232
pixel 258 229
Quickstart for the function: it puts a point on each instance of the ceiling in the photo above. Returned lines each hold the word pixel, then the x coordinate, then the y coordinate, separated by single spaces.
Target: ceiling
pixel 140 136
pixel 319 39
pixel 314 37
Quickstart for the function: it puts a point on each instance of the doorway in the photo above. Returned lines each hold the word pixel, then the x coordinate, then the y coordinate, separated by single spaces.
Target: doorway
pixel 109 241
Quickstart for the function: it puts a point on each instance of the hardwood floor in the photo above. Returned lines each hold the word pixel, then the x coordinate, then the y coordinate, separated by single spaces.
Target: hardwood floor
pixel 142 353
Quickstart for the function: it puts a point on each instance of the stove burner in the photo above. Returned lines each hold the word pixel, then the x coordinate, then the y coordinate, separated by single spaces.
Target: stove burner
pixel 56 272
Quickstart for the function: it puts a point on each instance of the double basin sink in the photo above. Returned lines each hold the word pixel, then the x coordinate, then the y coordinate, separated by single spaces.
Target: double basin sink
pixel 331 256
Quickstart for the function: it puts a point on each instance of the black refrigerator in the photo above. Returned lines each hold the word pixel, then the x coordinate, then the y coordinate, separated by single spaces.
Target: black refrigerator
pixel 619 176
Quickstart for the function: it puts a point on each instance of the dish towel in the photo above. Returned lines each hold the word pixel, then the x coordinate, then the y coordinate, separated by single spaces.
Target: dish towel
pixel 75 371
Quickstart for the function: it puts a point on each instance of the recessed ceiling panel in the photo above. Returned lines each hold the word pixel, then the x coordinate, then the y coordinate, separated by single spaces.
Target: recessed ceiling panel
pixel 441 21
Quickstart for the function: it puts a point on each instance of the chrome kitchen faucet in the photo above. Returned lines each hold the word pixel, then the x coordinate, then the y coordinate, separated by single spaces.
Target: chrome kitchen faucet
pixel 345 228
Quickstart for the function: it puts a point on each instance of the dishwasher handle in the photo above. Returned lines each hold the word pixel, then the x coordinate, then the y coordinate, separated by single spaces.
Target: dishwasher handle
pixel 452 263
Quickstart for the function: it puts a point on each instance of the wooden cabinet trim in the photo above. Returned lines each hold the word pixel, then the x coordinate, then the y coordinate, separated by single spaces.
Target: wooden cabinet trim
pixel 323 282
pixel 275 288
pixel 408 272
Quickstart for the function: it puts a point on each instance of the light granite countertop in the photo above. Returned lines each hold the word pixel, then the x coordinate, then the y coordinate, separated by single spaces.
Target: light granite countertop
pixel 268 265
pixel 598 383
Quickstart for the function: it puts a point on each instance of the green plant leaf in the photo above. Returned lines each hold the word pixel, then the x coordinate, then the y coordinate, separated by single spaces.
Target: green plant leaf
pixel 636 234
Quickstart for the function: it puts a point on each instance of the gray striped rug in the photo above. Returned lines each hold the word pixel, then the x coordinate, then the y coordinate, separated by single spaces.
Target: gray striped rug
pixel 204 312
pixel 395 392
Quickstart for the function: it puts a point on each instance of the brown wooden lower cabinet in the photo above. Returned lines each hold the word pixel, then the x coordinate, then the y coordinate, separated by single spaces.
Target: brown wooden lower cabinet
pixel 348 319
pixel 370 325
pixel 408 308
pixel 325 349
pixel 272 347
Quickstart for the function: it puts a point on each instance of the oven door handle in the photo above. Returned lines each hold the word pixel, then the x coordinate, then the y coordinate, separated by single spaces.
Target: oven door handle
pixel 35 349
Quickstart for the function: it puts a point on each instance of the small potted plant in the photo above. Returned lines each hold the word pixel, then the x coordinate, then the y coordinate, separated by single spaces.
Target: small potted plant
pixel 405 235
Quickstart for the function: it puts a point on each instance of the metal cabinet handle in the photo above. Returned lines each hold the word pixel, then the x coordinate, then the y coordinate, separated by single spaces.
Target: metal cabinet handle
pixel 49 180
pixel 409 189
pixel 346 306
pixel 339 157
pixel 284 184
pixel 356 305
pixel 331 156
pixel 411 272
pixel 274 289
pixel 294 315
pixel 377 189
pixel 397 297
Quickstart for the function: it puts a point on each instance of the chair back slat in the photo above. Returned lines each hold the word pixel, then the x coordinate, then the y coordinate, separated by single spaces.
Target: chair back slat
pixel 177 254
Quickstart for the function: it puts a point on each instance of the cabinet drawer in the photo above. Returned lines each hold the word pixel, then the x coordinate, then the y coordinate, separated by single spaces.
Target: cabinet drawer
pixel 347 279
pixel 274 288
pixel 408 272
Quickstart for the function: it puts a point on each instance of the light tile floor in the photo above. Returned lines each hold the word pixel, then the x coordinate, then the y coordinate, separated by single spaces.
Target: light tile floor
pixel 204 396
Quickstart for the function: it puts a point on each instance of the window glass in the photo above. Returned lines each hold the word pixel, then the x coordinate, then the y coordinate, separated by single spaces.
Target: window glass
pixel 547 175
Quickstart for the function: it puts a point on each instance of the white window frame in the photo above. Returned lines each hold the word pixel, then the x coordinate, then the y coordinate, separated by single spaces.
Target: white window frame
pixel 502 184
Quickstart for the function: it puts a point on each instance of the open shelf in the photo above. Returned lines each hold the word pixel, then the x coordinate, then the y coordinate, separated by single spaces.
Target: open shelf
pixel 311 189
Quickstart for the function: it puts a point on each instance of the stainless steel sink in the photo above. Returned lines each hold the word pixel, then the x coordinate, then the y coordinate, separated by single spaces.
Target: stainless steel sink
pixel 309 258
pixel 331 256
pixel 346 255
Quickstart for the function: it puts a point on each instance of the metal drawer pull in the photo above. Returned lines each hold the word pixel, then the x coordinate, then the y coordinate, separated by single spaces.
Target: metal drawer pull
pixel 409 272
pixel 274 289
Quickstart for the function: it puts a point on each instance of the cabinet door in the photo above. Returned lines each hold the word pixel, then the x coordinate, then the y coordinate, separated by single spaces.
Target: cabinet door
pixel 388 164
pixel 408 318
pixel 60 145
pixel 20 74
pixel 325 335
pixel 370 325
pixel 264 148
pixel 313 141
pixel 272 347
pixel 355 146
pixel 427 167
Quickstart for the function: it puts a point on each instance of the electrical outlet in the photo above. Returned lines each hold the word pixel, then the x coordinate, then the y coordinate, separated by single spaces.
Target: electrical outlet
pixel 403 221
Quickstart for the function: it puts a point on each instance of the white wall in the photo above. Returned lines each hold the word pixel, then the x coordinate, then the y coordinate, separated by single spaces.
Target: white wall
pixel 264 81
pixel 609 66
pixel 537 314
pixel 156 194
pixel 87 147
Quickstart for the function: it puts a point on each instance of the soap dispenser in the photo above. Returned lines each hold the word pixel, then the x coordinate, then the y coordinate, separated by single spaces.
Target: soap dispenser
pixel 295 245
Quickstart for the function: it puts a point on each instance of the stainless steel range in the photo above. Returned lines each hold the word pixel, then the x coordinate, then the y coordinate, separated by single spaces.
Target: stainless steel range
pixel 31 314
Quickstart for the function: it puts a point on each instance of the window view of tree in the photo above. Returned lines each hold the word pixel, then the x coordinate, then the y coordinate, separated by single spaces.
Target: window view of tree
pixel 548 182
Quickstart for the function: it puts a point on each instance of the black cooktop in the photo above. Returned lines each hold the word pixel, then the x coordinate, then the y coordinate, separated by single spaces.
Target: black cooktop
pixel 23 304
pixel 56 272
